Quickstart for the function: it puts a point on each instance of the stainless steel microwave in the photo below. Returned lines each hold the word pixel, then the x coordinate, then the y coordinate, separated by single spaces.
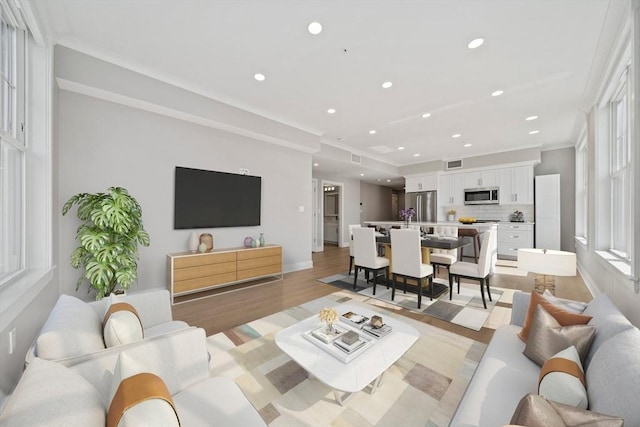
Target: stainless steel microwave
pixel 481 196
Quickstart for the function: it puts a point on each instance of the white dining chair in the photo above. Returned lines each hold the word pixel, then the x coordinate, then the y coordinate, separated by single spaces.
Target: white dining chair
pixel 444 257
pixel 365 256
pixel 406 261
pixel 351 227
pixel 480 271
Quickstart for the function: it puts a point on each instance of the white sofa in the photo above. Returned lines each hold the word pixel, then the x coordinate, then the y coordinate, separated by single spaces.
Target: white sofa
pixel 505 375
pixel 74 331
pixel 51 394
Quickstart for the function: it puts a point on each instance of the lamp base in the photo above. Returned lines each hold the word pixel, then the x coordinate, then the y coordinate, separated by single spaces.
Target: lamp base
pixel 544 282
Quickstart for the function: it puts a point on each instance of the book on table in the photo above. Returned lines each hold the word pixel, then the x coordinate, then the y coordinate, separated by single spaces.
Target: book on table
pixel 377 332
pixel 326 337
pixel 354 319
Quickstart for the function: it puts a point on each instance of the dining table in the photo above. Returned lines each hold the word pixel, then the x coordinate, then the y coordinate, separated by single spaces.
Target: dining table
pixel 427 243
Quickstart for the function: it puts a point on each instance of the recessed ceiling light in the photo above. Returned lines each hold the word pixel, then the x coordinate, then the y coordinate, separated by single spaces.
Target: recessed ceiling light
pixel 259 77
pixel 426 115
pixel 533 132
pixel 475 43
pixel 456 135
pixel 531 118
pixel 497 93
pixel 400 148
pixel 467 145
pixel 331 110
pixel 387 85
pixel 361 174
pixel 378 179
pixel 416 155
pixel 372 131
pixel 315 28
pixel 316 164
pixel 388 180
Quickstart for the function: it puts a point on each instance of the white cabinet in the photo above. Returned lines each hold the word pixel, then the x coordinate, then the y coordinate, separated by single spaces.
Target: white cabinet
pixel 414 184
pixel 513 236
pixel 451 190
pixel 485 178
pixel 516 185
pixel 548 212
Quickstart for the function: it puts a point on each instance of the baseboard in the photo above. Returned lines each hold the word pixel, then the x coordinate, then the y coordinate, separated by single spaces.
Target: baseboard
pixel 288 268
pixel 588 280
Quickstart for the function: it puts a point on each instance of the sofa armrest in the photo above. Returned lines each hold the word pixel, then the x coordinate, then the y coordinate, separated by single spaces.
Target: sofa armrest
pixel 153 306
pixel 519 308
pixel 180 358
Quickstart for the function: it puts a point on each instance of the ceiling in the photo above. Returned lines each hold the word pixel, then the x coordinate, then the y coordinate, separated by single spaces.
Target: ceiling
pixel 545 55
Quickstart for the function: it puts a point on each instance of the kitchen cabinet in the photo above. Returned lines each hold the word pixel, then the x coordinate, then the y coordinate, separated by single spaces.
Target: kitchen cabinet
pixel 479 179
pixel 513 236
pixel 414 184
pixel 451 190
pixel 516 185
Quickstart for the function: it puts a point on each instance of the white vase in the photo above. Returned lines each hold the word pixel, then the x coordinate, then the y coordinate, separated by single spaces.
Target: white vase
pixel 194 241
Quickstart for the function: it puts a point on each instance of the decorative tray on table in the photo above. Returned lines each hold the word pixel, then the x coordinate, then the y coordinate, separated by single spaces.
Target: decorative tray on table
pixel 343 351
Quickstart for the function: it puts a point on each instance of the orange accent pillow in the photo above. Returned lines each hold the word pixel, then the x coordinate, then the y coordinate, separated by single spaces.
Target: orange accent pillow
pixel 565 318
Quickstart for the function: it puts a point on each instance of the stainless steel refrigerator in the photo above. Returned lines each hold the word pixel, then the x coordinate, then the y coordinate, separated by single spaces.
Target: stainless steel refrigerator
pixel 425 204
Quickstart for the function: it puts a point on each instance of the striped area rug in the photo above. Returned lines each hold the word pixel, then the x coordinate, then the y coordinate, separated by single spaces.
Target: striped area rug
pixel 422 388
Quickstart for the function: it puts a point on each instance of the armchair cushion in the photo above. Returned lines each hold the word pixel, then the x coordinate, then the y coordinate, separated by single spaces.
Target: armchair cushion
pixel 121 325
pixel 51 395
pixel 72 329
pixel 139 398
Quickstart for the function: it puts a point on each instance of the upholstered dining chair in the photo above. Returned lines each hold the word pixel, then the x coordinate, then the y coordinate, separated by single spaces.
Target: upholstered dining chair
pixel 406 261
pixel 351 227
pixel 480 271
pixel 444 257
pixel 365 256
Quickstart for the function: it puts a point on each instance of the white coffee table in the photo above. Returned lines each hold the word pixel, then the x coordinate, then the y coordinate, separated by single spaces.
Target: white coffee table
pixel 354 376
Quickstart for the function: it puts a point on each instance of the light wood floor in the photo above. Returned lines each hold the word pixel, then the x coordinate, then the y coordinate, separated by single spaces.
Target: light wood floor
pixel 226 310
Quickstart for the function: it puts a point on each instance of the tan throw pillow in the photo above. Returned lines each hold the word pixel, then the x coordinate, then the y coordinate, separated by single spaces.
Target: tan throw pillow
pixel 536 411
pixel 547 337
pixel 565 318
pixel 562 379
pixel 139 398
pixel 121 325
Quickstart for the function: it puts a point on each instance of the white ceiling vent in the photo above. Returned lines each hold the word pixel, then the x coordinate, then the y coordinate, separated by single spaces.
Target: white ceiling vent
pixel 356 159
pixel 454 164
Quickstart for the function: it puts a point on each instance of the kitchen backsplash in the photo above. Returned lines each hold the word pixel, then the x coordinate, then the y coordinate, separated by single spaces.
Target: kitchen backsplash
pixel 498 212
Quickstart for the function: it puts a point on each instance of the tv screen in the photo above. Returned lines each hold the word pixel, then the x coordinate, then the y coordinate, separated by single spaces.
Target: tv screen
pixel 210 199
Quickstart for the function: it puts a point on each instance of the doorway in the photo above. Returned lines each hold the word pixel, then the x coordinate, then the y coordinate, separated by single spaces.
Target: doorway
pixel 332 206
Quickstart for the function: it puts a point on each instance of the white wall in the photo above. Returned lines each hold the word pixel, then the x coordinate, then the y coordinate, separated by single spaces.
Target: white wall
pixel 102 144
pixel 376 202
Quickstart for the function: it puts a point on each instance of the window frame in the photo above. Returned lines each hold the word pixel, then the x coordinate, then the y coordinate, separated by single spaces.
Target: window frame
pixel 13 138
pixel 620 226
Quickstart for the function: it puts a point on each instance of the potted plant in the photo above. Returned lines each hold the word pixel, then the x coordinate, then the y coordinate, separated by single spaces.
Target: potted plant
pixel 451 215
pixel 109 236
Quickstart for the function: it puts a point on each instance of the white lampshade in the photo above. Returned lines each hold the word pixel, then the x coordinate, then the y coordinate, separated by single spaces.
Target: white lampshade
pixel 550 262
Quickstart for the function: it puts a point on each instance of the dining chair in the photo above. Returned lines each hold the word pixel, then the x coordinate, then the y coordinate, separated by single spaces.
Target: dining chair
pixel 365 256
pixel 480 271
pixel 444 257
pixel 406 260
pixel 351 227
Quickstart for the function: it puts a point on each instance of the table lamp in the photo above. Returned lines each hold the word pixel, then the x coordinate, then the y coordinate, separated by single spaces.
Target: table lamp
pixel 547 263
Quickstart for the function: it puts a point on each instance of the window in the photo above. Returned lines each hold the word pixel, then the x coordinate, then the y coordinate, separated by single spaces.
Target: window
pixel 12 147
pixel 620 173
pixel 582 189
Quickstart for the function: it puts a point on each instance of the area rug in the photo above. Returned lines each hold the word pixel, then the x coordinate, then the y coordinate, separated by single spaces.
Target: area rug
pixel 464 309
pixel 423 388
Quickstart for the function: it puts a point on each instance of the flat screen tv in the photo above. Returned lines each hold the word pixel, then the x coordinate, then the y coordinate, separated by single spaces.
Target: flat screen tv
pixel 210 199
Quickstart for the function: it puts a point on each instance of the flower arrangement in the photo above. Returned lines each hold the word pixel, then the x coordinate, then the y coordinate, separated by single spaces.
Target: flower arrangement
pixel 406 215
pixel 329 316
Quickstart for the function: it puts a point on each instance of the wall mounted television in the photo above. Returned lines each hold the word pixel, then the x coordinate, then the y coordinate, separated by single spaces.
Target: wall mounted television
pixel 210 199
